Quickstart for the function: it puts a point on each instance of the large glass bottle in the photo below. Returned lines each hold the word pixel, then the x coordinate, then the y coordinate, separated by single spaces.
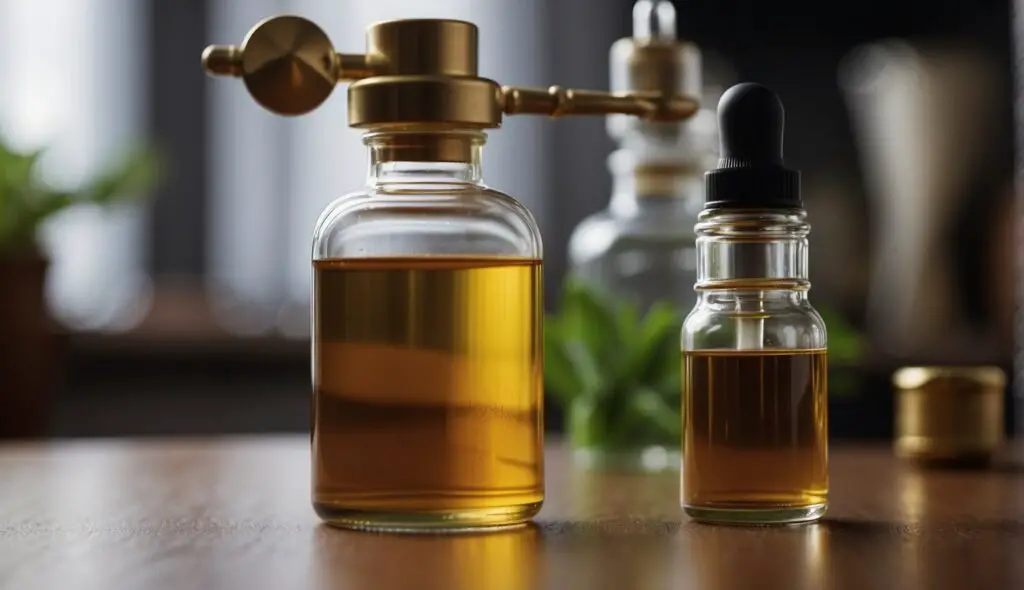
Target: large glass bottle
pixel 427 358
pixel 427 363
pixel 755 431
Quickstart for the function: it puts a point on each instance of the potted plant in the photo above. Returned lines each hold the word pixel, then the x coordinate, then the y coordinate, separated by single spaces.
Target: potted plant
pixel 617 374
pixel 28 361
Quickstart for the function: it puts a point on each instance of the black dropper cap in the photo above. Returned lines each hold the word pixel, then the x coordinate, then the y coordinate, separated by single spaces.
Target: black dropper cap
pixel 750 171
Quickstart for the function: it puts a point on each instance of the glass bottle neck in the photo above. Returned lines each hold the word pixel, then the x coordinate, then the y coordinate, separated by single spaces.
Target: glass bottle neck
pixel 418 157
pixel 675 187
pixel 759 250
pixel 633 193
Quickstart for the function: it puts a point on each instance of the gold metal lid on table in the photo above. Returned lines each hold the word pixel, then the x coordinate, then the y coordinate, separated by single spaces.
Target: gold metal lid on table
pixel 414 72
pixel 949 414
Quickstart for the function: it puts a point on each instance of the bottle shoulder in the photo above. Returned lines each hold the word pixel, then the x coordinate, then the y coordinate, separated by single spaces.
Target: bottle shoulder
pixel 467 219
pixel 726 303
pixel 782 324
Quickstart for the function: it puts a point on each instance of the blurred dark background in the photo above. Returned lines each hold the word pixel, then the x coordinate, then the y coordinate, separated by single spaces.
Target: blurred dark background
pixel 188 313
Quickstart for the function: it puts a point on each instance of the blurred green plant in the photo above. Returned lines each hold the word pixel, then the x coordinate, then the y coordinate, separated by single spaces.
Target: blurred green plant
pixel 845 350
pixel 27 200
pixel 617 373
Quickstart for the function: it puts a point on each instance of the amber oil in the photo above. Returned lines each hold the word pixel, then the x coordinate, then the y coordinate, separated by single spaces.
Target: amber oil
pixel 427 401
pixel 756 435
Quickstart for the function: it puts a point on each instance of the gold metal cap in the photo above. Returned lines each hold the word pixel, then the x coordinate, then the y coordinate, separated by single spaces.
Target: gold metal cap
pixel 653 60
pixel 425 71
pixel 414 72
pixel 949 414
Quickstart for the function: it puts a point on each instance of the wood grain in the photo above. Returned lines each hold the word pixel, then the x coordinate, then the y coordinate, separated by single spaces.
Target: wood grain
pixel 234 513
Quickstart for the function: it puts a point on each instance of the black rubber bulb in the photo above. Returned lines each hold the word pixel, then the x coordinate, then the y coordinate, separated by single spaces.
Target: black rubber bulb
pixel 750 172
pixel 750 121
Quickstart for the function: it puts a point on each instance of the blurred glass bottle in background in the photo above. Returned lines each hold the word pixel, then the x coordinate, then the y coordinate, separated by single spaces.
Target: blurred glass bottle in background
pixel 641 247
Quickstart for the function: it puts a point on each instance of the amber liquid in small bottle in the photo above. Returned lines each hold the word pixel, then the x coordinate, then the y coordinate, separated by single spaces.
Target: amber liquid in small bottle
pixel 427 402
pixel 755 435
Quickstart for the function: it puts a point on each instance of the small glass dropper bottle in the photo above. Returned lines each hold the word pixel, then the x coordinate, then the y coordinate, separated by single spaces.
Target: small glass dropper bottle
pixel 754 350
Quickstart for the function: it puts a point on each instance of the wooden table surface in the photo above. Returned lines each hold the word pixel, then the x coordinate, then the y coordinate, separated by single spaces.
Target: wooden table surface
pixel 234 513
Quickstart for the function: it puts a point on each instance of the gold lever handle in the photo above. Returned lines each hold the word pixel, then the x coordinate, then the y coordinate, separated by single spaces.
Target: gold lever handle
pixel 290 67
pixel 557 102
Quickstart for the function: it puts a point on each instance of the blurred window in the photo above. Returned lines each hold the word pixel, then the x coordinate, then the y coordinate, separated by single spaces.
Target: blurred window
pixel 225 246
pixel 71 81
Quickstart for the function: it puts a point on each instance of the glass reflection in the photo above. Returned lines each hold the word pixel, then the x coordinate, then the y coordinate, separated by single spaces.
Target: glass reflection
pixel 727 557
pixel 956 516
pixel 599 494
pixel 500 559
pixel 613 553
pixel 913 499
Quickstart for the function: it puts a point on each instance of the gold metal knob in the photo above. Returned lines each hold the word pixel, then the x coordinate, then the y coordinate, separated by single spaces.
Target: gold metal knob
pixel 287 63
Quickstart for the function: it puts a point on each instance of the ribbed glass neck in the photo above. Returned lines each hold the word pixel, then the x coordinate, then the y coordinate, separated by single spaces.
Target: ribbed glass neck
pixel 416 157
pixel 752 249
pixel 639 184
pixel 632 193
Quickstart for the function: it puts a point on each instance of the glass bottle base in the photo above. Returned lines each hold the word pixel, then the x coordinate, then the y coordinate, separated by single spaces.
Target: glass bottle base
pixel 461 520
pixel 746 516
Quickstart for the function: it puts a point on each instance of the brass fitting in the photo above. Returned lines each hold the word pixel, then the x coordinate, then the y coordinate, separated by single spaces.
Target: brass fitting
pixel 414 72
pixel 653 60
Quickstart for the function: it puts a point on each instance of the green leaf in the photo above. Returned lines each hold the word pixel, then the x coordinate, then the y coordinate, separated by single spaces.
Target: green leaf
pixel 27 201
pixel 45 205
pixel 627 320
pixel 843 382
pixel 651 407
pixel 17 171
pixel 845 344
pixel 587 422
pixel 20 192
pixel 659 332
pixel 135 174
pixel 586 368
pixel 560 377
pixel 668 378
pixel 645 418
pixel 589 320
